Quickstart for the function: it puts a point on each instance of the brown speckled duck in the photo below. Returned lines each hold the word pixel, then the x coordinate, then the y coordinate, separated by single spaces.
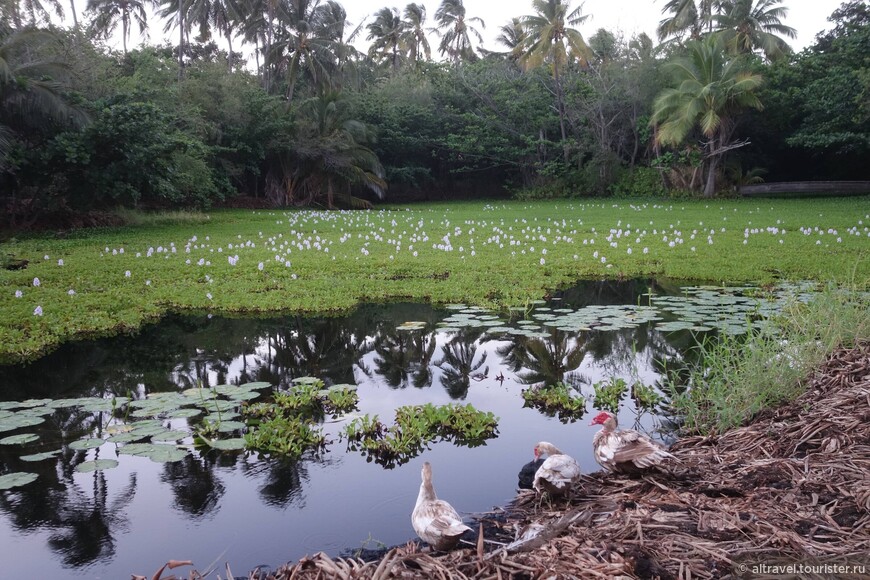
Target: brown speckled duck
pixel 624 450
pixel 435 520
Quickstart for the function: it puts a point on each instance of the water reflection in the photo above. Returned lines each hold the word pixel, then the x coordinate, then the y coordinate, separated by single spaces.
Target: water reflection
pixel 84 516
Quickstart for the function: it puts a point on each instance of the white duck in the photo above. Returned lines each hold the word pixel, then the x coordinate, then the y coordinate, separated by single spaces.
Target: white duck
pixel 557 472
pixel 624 450
pixel 435 520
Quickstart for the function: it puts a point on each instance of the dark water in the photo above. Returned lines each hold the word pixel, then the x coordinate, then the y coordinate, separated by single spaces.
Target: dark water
pixel 217 507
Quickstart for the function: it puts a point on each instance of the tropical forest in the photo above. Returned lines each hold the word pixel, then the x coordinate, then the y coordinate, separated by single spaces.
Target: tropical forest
pixel 437 291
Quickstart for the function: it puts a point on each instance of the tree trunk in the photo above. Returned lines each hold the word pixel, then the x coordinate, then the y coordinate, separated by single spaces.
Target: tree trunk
pixel 560 105
pixel 180 39
pixel 710 187
pixel 72 6
pixel 229 36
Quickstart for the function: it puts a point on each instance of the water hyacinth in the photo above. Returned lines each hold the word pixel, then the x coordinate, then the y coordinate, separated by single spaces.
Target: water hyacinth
pixel 37 311
pixel 60 262
pixel 36 282
pixel 127 274
pixel 19 293
pixel 71 292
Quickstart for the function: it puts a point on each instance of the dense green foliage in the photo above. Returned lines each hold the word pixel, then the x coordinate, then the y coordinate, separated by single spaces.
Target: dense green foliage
pixel 312 121
pixel 496 255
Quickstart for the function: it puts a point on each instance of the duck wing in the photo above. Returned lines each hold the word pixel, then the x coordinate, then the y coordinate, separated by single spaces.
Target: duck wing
pixel 438 519
pixel 559 471
pixel 631 447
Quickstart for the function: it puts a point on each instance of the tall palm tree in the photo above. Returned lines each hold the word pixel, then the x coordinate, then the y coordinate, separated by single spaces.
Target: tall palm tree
pixel 33 10
pixel 109 13
pixel 220 14
pixel 511 36
pixel 176 12
pixel 329 157
pixel 692 17
pixel 710 89
pixel 31 97
pixel 455 27
pixel 308 40
pixel 414 35
pixel 386 30
pixel 550 39
pixel 750 25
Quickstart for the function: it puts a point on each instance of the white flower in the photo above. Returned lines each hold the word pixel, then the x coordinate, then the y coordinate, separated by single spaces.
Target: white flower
pixel 147 282
pixel 646 250
pixel 260 266
pixel 36 282
pixel 542 261
pixel 60 262
pixel 127 274
pixel 19 293
pixel 45 257
pixel 37 311
pixel 71 292
pixel 208 295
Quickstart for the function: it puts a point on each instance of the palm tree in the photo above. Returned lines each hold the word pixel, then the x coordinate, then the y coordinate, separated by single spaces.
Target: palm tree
pixel 454 28
pixel 687 16
pixel 386 30
pixel 31 97
pixel 710 89
pixel 750 25
pixel 108 13
pixel 329 157
pixel 16 10
pixel 308 40
pixel 221 14
pixel 414 36
pixel 512 37
pixel 176 11
pixel 549 39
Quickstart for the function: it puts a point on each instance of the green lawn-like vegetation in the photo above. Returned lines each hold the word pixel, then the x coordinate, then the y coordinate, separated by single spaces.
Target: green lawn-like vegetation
pixel 494 254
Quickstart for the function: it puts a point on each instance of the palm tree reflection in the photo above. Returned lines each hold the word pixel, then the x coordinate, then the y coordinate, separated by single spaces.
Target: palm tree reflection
pixel 458 364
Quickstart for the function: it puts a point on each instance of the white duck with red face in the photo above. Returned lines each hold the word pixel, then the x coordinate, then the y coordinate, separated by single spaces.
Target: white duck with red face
pixel 624 450
pixel 558 471
pixel 435 520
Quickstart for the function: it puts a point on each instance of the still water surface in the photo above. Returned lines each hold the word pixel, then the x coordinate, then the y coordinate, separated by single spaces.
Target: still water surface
pixel 237 508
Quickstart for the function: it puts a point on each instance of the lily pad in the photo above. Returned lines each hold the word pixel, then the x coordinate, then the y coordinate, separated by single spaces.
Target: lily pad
pixel 16 479
pixel 19 421
pixel 184 413
pixel 82 444
pixel 96 465
pixel 154 452
pixel 19 439
pixel 256 385
pixel 41 456
pixel 174 435
pixel 228 444
pixel 305 380
pixel 229 426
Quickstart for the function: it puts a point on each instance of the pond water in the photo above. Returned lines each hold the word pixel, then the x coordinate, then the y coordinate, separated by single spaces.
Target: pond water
pixel 246 509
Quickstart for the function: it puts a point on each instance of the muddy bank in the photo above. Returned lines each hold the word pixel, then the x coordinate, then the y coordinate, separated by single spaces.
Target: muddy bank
pixel 793 486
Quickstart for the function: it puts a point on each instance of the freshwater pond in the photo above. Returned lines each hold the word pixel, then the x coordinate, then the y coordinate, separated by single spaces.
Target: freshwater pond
pixel 60 414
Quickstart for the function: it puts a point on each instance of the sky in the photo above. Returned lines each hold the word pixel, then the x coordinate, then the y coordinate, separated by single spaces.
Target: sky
pixel 808 17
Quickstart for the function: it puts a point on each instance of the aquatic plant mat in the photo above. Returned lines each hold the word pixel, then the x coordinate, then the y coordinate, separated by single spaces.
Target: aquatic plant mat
pixel 792 487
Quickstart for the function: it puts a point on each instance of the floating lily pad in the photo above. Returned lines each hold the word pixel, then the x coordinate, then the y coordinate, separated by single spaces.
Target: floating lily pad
pixel 154 452
pixel 125 437
pixel 19 439
pixel 40 456
pixel 174 435
pixel 219 405
pixel 82 444
pixel 220 417
pixel 256 385
pixel 16 479
pixel 96 465
pixel 305 380
pixel 199 394
pixel 30 403
pixel 228 444
pixel 229 426
pixel 184 413
pixel 148 428
pixel 19 421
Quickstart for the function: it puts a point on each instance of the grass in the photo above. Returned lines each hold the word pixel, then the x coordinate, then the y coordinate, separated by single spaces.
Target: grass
pixel 738 377
pixel 492 254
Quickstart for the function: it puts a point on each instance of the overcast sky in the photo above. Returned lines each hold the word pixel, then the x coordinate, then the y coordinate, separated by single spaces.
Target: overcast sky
pixel 808 17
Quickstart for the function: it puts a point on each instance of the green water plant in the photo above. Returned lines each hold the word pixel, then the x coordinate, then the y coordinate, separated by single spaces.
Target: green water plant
pixel 416 426
pixel 288 436
pixel 559 400
pixel 646 396
pixel 609 393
